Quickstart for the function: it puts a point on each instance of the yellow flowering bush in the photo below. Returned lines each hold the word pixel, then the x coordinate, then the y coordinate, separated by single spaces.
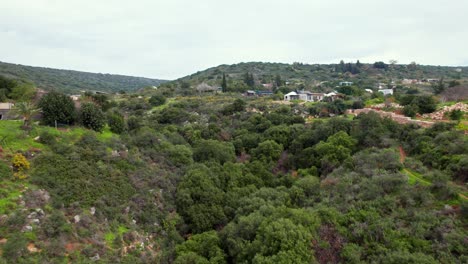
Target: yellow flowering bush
pixel 21 165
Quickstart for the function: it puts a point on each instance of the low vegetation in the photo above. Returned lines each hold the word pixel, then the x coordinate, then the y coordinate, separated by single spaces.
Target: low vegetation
pixel 166 177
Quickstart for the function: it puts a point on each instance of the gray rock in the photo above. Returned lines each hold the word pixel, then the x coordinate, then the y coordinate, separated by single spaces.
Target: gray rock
pixel 39 211
pixel 96 257
pixel 77 218
pixel 27 228
pixel 92 210
pixel 32 215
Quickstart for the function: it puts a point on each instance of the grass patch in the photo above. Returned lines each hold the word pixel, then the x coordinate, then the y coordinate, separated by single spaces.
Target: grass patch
pixel 13 138
pixel 373 102
pixel 122 230
pixel 109 237
pixel 414 177
pixel 9 194
pixel 105 135
pixel 161 107
pixel 463 125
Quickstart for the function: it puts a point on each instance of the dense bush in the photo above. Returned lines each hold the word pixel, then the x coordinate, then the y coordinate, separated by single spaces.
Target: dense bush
pixel 92 117
pixel 157 100
pixel 57 107
pixel 116 122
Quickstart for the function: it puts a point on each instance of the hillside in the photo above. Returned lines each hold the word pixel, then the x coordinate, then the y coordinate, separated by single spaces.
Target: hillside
pixel 73 81
pixel 223 178
pixel 311 76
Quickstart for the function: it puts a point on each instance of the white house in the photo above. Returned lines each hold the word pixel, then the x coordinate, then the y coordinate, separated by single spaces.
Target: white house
pixel 307 96
pixel 369 91
pixel 346 83
pixel 386 91
pixel 291 96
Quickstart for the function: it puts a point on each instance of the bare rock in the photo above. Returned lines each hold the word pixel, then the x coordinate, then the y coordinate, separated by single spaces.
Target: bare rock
pixel 27 228
pixel 96 257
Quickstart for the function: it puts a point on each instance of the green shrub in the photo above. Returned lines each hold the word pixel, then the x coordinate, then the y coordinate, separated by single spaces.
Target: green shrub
pixel 92 117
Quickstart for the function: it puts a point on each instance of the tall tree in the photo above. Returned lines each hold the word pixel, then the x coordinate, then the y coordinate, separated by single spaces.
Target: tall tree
pixel 278 81
pixel 57 107
pixel 224 83
pixel 249 79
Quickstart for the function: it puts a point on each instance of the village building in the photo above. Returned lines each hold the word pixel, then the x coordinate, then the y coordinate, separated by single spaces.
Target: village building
pixel 346 83
pixel 309 96
pixel 5 110
pixel 264 93
pixel 386 91
pixel 250 93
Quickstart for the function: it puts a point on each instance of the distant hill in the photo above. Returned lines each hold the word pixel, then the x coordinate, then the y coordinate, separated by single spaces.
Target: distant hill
pixel 300 75
pixel 73 81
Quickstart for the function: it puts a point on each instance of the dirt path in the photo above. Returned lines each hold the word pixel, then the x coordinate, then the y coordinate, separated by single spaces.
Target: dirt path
pixel 402 154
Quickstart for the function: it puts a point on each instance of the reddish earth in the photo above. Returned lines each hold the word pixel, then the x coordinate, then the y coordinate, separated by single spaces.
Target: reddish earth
pixel 402 154
pixel 70 247
pixel 332 251
pixel 32 248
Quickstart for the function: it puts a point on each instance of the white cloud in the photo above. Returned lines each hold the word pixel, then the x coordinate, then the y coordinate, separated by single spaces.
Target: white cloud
pixel 170 39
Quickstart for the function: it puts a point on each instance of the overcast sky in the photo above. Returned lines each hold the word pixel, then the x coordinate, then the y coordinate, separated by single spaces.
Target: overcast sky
pixel 173 38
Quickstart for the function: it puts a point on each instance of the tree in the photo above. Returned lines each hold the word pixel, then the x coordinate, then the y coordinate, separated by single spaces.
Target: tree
pixel 267 151
pixel 426 104
pixel 213 150
pixel 413 66
pixel 237 106
pixel 57 107
pixel 380 65
pixel 26 110
pixel 224 83
pixel 249 79
pixel 456 115
pixel 92 117
pixel 410 110
pixel 116 122
pixel 358 64
pixel 6 87
pixel 199 200
pixel 278 81
pixel 203 248
pixel 439 87
pixel 157 100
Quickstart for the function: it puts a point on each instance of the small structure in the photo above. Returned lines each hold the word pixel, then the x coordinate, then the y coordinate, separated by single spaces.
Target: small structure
pixel 346 83
pixel 291 96
pixel 369 90
pixel 203 87
pixel 305 96
pixel 264 93
pixel 250 93
pixel 5 109
pixel 75 97
pixel 386 91
pixel 333 96
pixel 310 97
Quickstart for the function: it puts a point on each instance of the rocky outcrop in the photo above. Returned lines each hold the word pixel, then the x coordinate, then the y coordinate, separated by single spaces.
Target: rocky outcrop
pixel 401 119
pixel 440 115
